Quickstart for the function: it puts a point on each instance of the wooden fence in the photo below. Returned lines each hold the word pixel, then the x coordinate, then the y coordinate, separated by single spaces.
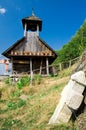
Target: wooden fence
pixel 55 68
pixel 66 64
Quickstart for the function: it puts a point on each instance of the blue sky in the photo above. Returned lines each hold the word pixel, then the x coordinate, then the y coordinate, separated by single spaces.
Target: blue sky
pixel 61 19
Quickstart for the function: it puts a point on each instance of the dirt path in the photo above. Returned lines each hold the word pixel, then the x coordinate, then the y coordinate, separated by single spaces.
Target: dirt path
pixel 64 79
pixel 54 81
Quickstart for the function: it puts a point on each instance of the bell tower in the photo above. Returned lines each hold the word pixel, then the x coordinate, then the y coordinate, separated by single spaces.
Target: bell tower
pixel 32 24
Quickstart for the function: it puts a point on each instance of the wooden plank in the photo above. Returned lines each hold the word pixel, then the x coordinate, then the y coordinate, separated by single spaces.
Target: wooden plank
pixel 47 66
pixel 21 62
pixel 43 53
pixel 41 67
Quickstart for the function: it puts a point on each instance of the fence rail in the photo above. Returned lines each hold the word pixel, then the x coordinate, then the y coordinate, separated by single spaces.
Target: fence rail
pixel 67 64
pixel 54 68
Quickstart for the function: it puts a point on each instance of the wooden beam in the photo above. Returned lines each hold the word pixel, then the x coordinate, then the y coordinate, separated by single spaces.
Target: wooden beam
pixel 44 53
pixel 21 62
pixel 47 66
pixel 41 67
pixel 25 30
pixel 37 29
pixel 31 71
pixel 12 63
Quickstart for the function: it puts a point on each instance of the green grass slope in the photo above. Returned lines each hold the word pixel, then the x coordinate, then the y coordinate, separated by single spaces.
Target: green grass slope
pixel 31 107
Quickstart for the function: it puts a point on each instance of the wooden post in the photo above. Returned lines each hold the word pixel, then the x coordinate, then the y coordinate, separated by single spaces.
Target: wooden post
pixel 31 71
pixel 47 66
pixel 37 29
pixel 6 66
pixel 25 30
pixel 41 67
pixel 12 64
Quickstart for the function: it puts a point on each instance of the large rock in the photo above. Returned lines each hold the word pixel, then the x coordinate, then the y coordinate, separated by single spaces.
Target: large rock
pixel 71 98
pixel 81 66
pixel 61 114
pixel 75 100
pixel 79 77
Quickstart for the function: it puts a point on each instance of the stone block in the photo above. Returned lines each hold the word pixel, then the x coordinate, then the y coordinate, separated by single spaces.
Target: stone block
pixel 71 99
pixel 78 88
pixel 66 90
pixel 79 77
pixel 74 100
pixel 65 114
pixel 62 114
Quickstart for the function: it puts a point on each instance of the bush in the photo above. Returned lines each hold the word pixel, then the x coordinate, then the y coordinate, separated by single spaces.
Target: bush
pixel 8 123
pixel 21 103
pixel 14 105
pixel 11 105
pixel 16 93
pixel 24 81
pixel 7 81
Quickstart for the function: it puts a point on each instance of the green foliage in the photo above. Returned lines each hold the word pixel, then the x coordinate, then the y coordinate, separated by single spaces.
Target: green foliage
pixel 64 73
pixel 21 103
pixel 24 81
pixel 2 111
pixel 16 93
pixel 14 105
pixel 74 47
pixel 8 123
pixel 64 127
pixel 37 78
pixel 0 93
pixel 7 81
pixel 35 112
pixel 11 105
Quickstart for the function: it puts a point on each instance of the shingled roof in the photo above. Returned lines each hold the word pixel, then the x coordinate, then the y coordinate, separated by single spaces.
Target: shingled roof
pixel 32 19
pixel 40 48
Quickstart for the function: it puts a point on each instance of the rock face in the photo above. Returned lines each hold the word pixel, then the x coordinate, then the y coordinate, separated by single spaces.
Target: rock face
pixel 81 64
pixel 71 99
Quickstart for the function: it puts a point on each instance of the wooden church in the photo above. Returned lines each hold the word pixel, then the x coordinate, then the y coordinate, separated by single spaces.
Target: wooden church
pixel 31 54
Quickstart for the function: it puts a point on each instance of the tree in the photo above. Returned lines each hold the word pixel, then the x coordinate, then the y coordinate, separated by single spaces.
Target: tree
pixel 74 47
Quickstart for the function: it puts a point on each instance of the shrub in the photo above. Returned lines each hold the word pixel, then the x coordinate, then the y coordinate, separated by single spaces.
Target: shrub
pixel 7 81
pixel 14 105
pixel 9 122
pixel 16 93
pixel 21 103
pixel 11 105
pixel 24 81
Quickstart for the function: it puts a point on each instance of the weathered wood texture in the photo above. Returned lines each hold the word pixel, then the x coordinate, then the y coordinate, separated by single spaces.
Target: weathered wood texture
pixel 31 46
pixel 22 65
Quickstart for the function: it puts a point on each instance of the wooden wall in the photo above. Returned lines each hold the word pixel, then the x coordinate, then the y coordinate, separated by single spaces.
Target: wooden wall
pixel 23 65
pixel 31 46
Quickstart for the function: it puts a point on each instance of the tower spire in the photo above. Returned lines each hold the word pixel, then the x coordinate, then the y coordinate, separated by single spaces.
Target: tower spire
pixel 33 12
pixel 32 23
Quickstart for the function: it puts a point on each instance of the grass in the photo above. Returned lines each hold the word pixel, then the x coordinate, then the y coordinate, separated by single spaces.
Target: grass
pixel 34 112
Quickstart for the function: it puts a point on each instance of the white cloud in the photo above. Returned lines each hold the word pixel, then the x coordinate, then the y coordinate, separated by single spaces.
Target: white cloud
pixel 2 10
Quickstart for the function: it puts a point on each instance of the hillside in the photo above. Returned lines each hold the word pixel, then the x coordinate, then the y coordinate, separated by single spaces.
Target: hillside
pixel 31 107
pixel 74 47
